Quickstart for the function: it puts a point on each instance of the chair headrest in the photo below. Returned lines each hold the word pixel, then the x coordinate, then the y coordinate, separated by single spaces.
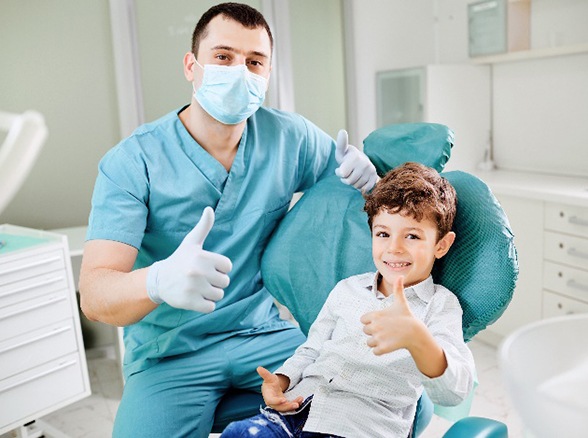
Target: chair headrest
pixel 426 143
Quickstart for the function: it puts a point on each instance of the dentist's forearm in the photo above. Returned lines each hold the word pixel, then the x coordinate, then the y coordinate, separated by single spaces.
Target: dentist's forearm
pixel 114 297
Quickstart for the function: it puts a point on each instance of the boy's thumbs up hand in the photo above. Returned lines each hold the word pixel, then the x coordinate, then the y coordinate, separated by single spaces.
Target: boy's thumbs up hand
pixel 392 328
pixel 191 278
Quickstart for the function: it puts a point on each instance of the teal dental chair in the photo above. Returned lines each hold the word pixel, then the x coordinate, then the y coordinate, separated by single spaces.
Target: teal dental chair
pixel 326 237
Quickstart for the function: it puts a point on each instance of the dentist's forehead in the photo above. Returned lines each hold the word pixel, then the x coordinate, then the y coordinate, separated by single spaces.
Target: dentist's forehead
pixel 223 31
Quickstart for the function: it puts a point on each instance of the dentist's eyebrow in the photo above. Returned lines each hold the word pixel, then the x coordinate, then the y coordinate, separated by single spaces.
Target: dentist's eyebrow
pixel 232 49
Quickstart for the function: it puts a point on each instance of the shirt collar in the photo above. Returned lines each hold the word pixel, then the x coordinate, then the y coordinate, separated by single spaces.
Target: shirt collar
pixel 424 290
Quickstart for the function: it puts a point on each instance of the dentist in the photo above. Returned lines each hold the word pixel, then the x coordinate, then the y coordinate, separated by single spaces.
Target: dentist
pixel 181 213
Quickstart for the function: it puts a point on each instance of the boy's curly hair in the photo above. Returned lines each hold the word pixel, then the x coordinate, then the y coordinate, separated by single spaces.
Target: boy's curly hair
pixel 413 189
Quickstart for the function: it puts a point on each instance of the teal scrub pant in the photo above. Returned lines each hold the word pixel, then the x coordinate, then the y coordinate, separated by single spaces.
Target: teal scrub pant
pixel 179 396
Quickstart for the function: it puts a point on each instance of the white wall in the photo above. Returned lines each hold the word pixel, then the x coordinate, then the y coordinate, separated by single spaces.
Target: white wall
pixel 539 106
pixel 56 58
pixel 387 35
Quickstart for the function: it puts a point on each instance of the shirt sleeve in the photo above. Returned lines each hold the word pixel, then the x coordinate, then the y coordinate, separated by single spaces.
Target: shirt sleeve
pixel 456 383
pixel 119 202
pixel 305 355
pixel 318 157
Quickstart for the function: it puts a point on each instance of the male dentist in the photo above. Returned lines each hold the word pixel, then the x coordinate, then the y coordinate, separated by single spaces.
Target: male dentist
pixel 181 213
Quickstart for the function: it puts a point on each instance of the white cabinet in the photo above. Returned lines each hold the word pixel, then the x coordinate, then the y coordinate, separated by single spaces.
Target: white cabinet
pixel 42 361
pixel 565 274
pixel 552 244
pixel 454 95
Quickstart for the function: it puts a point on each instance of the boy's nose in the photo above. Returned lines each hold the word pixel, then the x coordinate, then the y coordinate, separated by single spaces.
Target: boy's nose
pixel 395 246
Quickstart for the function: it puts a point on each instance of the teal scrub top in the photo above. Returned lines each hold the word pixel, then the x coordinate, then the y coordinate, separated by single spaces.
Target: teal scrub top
pixel 151 191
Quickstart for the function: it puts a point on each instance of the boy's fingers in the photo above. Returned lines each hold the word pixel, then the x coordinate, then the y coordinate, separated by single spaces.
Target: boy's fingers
pixel 398 290
pixel 265 375
pixel 366 318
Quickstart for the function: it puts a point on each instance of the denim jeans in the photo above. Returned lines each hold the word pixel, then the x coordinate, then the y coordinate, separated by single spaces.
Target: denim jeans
pixel 270 423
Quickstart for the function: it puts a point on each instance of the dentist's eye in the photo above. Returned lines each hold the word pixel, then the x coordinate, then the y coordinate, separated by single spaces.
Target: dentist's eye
pixel 222 57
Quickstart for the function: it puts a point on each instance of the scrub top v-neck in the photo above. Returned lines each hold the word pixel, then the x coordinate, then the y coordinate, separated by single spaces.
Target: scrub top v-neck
pixel 151 191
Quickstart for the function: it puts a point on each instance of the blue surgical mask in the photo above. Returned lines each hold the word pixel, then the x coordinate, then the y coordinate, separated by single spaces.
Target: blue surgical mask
pixel 230 94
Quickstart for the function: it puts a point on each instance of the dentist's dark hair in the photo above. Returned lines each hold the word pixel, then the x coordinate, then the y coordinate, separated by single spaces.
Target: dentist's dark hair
pixel 249 17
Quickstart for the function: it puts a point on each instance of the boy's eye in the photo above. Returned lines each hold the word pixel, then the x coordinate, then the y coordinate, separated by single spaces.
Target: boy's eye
pixel 412 236
pixel 381 234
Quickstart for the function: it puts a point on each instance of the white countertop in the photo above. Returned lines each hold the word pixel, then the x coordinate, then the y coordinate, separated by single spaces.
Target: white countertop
pixel 551 188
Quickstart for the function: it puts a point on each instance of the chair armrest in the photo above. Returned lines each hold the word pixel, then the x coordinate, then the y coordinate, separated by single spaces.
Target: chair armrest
pixel 477 427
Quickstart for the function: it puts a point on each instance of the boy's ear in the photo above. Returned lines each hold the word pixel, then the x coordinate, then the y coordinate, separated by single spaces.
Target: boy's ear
pixel 444 244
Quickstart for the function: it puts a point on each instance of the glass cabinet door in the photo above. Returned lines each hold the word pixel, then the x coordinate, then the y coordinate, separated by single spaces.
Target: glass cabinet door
pixel 399 96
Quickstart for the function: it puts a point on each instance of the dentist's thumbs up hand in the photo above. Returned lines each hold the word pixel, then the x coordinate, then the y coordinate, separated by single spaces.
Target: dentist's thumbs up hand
pixel 191 278
pixel 355 168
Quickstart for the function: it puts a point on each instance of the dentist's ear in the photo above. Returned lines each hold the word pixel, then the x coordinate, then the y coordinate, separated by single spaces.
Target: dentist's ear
pixel 444 244
pixel 189 64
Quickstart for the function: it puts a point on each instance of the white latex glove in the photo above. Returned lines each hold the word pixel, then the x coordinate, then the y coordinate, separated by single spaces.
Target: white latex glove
pixel 355 168
pixel 191 278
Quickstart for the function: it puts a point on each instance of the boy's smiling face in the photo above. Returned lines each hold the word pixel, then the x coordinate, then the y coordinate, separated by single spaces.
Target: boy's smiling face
pixel 403 246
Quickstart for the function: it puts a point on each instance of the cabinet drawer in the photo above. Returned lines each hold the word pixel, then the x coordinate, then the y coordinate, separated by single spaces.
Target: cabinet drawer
pixel 36 348
pixel 32 288
pixel 25 395
pixel 558 305
pixel 565 280
pixel 567 219
pixel 34 314
pixel 24 266
pixel 569 250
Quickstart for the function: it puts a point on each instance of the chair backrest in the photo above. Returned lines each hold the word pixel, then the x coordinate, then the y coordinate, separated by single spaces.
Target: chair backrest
pixel 326 238
pixel 26 134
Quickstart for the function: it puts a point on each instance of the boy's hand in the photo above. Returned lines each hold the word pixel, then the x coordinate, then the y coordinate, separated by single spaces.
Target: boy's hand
pixel 272 389
pixel 392 328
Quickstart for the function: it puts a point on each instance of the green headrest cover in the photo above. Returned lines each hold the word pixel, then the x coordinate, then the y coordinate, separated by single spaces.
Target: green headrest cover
pixel 426 143
pixel 326 238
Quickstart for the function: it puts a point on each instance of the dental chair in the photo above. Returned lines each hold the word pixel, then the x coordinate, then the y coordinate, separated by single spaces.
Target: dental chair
pixel 325 238
pixel 25 136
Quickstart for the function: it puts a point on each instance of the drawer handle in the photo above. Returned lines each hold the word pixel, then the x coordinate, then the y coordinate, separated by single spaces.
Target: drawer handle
pixel 38 376
pixel 51 300
pixel 573 284
pixel 575 253
pixel 578 221
pixel 37 338
pixel 32 265
pixel 33 286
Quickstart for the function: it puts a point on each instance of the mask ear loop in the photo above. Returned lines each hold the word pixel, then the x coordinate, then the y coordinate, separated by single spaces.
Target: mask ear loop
pixel 196 62
pixel 193 72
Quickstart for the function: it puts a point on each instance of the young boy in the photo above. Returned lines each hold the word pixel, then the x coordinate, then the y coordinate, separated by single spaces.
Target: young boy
pixel 380 338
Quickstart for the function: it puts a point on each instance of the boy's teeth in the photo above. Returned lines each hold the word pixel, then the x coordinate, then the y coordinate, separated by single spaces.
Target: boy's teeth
pixel 397 265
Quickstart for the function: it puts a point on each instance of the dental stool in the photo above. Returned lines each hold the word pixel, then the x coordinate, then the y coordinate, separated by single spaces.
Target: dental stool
pixel 325 238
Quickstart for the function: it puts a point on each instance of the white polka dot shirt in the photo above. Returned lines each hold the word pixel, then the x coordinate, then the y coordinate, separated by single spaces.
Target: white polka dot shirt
pixel 358 394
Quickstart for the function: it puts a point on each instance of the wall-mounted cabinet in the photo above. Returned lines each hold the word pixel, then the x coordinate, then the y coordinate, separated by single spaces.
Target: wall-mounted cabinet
pixel 525 55
pixel 454 95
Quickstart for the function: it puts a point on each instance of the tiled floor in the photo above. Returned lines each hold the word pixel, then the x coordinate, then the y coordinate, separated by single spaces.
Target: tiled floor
pixel 93 417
